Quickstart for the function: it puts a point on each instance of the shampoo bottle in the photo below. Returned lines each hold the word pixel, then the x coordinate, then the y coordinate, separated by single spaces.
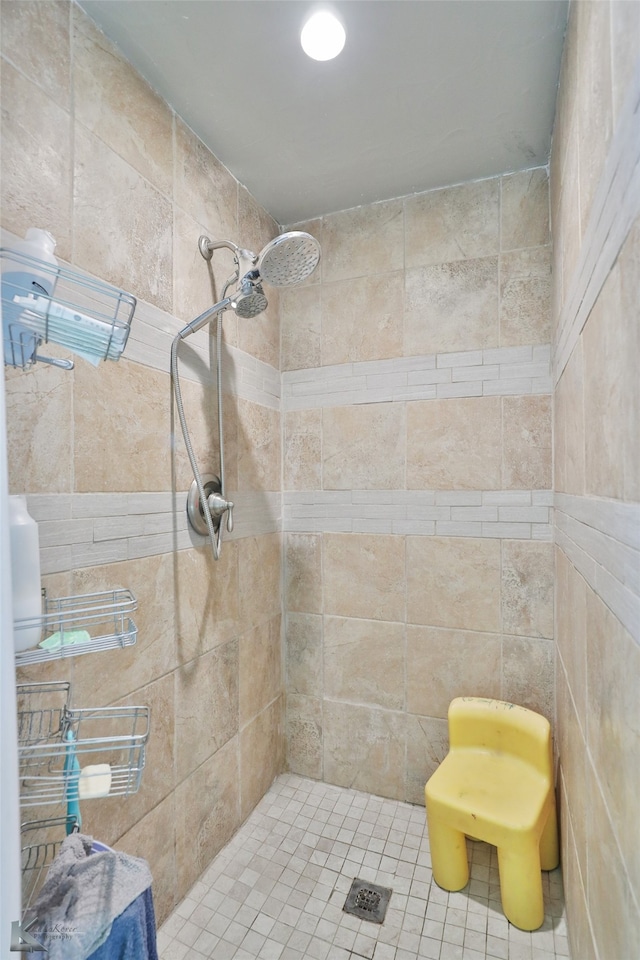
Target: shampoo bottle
pixel 21 279
pixel 25 572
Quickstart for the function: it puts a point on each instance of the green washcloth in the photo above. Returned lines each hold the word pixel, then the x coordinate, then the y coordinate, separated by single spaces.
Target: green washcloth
pixel 65 639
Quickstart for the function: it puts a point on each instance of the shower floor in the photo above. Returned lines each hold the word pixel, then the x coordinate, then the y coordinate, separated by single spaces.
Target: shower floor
pixel 277 890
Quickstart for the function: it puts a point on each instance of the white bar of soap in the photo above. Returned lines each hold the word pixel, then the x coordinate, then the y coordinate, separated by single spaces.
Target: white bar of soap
pixel 94 781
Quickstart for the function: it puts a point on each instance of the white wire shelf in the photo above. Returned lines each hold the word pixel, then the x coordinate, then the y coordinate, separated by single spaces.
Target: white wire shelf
pixel 45 838
pixel 106 736
pixel 103 617
pixel 73 310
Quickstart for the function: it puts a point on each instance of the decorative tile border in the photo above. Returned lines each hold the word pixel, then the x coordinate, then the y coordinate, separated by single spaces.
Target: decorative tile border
pixel 602 540
pixel 510 514
pixel 503 371
pixel 616 205
pixel 86 529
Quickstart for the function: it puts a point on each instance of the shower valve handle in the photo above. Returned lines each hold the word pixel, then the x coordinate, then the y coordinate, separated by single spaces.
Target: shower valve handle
pixel 218 505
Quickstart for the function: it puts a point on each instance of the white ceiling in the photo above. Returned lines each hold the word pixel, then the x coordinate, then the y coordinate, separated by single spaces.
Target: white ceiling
pixel 425 93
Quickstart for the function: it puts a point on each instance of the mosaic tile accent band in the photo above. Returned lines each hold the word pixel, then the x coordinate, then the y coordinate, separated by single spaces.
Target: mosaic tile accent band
pixel 88 529
pixel 499 372
pixel 602 539
pixel 616 205
pixel 513 514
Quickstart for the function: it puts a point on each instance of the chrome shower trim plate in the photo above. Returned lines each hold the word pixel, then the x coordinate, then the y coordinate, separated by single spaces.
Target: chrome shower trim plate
pixel 195 513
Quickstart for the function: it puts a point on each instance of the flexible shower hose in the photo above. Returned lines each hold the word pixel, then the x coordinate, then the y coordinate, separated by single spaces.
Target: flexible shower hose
pixel 214 538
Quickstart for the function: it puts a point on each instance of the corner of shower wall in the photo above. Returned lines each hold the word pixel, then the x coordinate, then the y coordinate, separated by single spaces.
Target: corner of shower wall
pixel 596 235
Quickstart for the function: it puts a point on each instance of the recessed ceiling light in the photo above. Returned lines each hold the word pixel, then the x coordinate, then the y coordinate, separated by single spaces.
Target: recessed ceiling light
pixel 322 36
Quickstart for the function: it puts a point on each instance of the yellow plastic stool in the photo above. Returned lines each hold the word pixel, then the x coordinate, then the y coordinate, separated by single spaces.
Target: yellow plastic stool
pixel 496 785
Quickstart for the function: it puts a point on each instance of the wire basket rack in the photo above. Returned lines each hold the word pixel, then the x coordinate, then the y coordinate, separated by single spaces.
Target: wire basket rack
pixel 51 733
pixel 87 316
pixel 43 840
pixel 102 617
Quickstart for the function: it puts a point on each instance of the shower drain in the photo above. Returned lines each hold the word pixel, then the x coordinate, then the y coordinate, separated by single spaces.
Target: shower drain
pixel 367 901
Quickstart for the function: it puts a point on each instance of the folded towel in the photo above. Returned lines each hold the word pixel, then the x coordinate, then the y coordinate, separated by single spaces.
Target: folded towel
pixel 83 894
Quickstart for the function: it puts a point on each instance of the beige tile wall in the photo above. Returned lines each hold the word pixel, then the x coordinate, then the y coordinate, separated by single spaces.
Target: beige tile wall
pixel 384 630
pixel 597 433
pixel 90 153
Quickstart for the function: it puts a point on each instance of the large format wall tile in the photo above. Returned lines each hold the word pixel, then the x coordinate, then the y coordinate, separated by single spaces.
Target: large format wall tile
pixel 36 161
pixel 131 450
pixel 363 447
pixel 304 735
pixel 206 707
pixel 363 242
pixel 525 209
pixel 527 452
pixel 525 297
pixel 454 444
pixel 115 103
pixel 29 34
pixel 454 583
pixel 301 326
pixel 364 662
pixel 206 595
pixel 427 746
pixel 364 576
pixel 40 433
pixel 121 224
pixel 207 813
pixel 457 223
pixel 527 674
pixel 362 319
pixel 364 748
pixel 258 446
pixel 613 722
pixel 260 580
pixel 527 588
pixel 443 664
pixel 303 573
pixel 261 755
pixel 451 306
pixel 304 654
pixel 302 454
pixel 260 669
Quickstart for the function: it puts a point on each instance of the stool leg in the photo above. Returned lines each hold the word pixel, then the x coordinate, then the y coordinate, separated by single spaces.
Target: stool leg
pixel 449 862
pixel 549 852
pixel 521 882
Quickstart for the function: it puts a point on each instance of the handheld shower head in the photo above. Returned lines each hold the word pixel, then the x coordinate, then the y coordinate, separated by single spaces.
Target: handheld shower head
pixel 250 300
pixel 289 259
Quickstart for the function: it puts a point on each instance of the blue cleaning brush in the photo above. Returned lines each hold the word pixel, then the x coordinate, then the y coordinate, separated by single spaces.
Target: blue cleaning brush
pixel 71 776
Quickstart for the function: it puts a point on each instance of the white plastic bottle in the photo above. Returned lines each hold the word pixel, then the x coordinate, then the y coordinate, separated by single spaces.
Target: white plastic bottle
pixel 21 279
pixel 25 571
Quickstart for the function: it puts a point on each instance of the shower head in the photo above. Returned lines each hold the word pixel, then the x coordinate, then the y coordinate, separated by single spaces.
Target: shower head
pixel 249 300
pixel 289 259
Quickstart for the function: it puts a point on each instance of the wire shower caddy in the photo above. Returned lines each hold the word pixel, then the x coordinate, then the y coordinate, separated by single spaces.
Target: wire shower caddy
pixel 103 615
pixel 81 313
pixel 116 736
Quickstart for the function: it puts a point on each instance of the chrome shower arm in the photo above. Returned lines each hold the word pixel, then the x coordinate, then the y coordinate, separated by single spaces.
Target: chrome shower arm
pixel 207 247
